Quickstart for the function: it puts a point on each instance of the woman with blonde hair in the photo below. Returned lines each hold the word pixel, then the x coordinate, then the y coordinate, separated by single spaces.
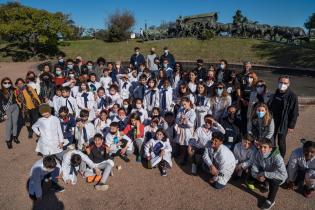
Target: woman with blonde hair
pixel 219 102
pixel 261 124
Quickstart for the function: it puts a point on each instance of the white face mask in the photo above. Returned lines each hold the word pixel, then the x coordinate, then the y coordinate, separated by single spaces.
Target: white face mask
pixel 71 75
pixel 126 106
pixel 6 86
pixel 165 65
pixel 222 66
pixel 137 53
pixel 166 51
pixel 90 67
pixel 58 73
pixel 283 87
pixel 138 106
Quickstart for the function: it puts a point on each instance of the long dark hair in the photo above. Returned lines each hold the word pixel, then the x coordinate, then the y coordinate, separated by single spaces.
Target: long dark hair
pixel 164 133
pixel 4 90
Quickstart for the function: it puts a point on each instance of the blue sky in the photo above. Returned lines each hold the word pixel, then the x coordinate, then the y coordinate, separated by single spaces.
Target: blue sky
pixel 92 13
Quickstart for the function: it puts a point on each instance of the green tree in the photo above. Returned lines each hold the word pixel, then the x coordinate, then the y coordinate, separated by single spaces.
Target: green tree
pixel 33 29
pixel 238 18
pixel 310 23
pixel 119 25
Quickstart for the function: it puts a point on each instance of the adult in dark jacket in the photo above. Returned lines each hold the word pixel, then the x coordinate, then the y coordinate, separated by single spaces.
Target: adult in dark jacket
pixel 137 58
pixel 285 108
pixel 167 55
pixel 47 88
pixel 201 71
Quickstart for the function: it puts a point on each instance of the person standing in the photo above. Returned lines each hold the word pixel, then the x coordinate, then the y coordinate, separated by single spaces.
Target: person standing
pixel 137 58
pixel 9 111
pixel 285 109
pixel 167 55
pixel 154 68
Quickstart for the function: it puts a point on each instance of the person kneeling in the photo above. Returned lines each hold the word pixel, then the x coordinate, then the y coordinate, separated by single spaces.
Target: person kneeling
pixel 301 168
pixel 269 169
pixel 43 168
pixel 158 152
pixel 219 161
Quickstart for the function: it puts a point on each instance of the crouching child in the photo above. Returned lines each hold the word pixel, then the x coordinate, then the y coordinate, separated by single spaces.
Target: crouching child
pixel 43 168
pixel 269 169
pixel 301 168
pixel 219 161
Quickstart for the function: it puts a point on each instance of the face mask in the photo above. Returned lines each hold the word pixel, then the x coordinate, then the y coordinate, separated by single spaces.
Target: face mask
pixel 165 65
pixel 260 114
pixel 260 90
pixel 71 75
pixel 219 92
pixel 31 78
pixel 6 86
pixel 60 60
pixel 126 106
pixel 137 53
pixel 89 67
pixel 48 169
pixel 231 115
pixel 45 78
pixel 138 106
pixel 70 66
pixel 117 66
pixel 58 73
pixel 250 80
pixel 166 51
pixel 22 87
pixel 266 155
pixel 222 66
pixel 283 87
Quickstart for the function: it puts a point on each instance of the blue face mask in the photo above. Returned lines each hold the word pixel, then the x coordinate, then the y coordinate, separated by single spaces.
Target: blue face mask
pixel 70 66
pixel 260 114
pixel 219 92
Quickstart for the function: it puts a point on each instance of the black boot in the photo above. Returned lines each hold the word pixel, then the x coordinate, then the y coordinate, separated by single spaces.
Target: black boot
pixel 9 144
pixel 30 132
pixel 16 140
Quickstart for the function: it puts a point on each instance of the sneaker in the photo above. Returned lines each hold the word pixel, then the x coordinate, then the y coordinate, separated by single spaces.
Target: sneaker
pixel 163 172
pixel 307 192
pixel 139 159
pixel 101 187
pixel 267 205
pixel 57 187
pixel 250 185
pixel 194 168
pixel 125 158
pixel 264 188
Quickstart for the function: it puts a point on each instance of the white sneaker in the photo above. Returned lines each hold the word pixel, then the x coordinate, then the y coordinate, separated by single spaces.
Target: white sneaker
pixel 194 168
pixel 101 187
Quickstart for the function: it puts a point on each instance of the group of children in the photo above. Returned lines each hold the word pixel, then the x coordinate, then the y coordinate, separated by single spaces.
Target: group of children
pixel 99 113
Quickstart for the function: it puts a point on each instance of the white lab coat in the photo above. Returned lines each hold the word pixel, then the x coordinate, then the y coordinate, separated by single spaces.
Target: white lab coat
pixel 79 135
pixel 91 104
pixel 148 151
pixel 66 165
pixel 50 135
pixel 185 131
pixel 169 99
pixel 155 99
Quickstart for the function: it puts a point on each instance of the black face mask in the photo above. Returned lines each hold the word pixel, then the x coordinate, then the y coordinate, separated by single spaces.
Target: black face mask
pixel 231 116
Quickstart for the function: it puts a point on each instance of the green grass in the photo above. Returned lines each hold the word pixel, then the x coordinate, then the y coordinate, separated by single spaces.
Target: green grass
pixel 232 49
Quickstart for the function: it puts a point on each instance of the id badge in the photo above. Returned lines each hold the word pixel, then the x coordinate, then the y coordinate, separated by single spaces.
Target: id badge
pixel 230 140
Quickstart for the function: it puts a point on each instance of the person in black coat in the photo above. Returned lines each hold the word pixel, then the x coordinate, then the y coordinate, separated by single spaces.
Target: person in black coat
pixel 201 71
pixel 137 58
pixel 167 55
pixel 285 109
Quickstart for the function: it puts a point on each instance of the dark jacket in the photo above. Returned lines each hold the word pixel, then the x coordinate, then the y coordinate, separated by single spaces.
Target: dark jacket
pixel 232 132
pixel 201 73
pixel 170 58
pixel 223 75
pixel 290 111
pixel 97 155
pixel 136 60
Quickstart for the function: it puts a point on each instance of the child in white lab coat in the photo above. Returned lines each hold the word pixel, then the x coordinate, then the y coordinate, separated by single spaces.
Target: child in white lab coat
pixel 84 131
pixel 158 152
pixel 49 131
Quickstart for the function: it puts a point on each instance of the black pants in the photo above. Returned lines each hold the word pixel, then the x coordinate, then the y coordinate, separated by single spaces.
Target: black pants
pixel 274 185
pixel 281 137
pixel 198 151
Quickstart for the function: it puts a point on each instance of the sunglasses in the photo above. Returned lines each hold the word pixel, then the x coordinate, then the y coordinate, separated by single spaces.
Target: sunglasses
pixel 6 83
pixel 260 85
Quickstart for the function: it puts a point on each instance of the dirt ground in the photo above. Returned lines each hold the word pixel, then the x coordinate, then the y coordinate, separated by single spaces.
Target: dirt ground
pixel 135 187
